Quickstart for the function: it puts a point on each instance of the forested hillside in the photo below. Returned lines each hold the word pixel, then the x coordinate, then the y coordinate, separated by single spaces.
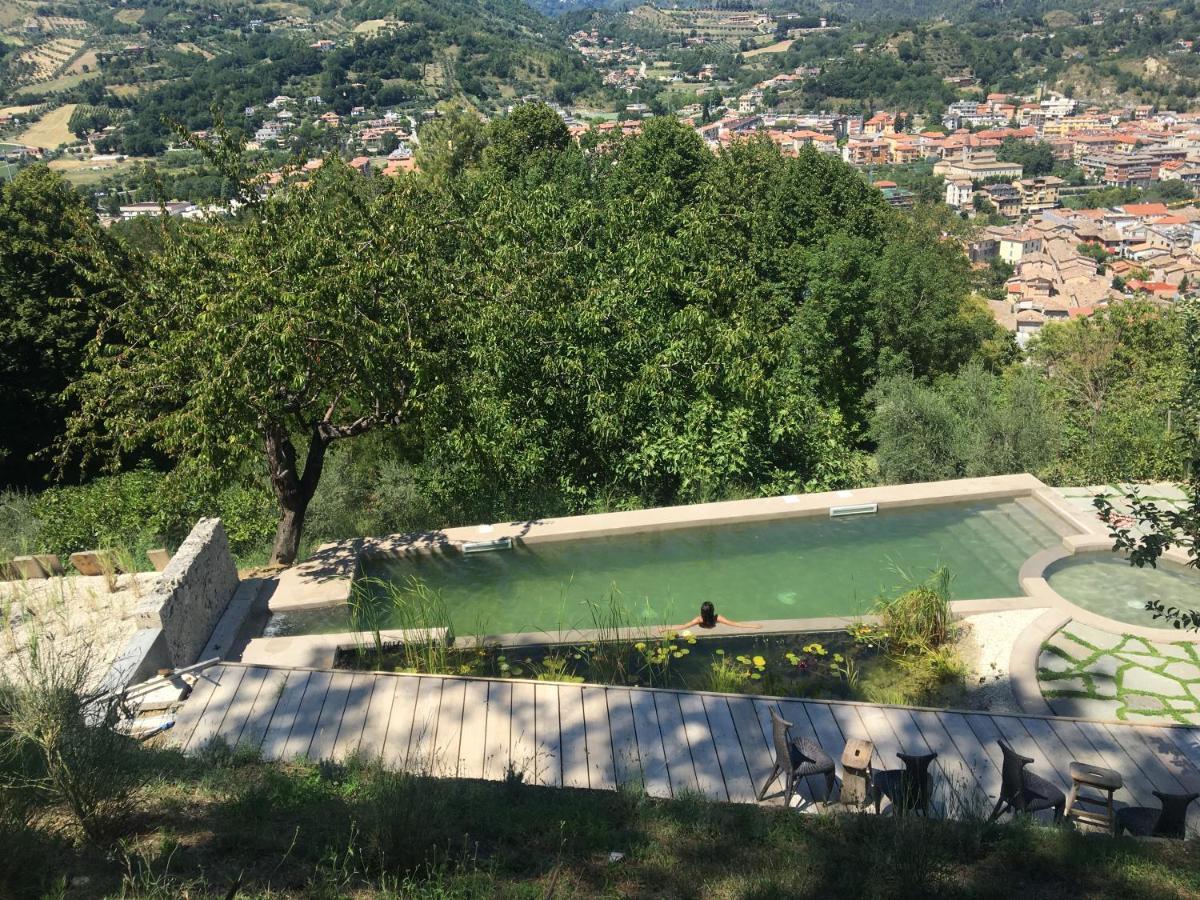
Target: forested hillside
pixel 532 327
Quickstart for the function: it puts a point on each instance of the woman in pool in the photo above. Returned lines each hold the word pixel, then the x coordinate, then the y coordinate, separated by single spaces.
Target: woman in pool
pixel 710 618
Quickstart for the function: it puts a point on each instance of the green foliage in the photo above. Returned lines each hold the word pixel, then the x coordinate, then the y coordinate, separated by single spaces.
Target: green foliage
pixel 451 143
pixel 919 622
pixel 1118 377
pixel 49 308
pixel 967 425
pixel 141 509
pixel 77 758
pixel 1035 158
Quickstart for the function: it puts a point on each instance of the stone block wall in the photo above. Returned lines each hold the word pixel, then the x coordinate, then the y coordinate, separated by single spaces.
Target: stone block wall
pixel 192 593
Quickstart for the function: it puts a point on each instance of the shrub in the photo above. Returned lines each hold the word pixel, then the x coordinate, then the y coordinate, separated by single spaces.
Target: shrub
pixel 142 509
pixel 82 762
pixel 919 619
pixel 18 525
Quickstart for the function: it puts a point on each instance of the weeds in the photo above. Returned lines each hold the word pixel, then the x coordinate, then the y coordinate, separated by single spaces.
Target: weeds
pixel 77 758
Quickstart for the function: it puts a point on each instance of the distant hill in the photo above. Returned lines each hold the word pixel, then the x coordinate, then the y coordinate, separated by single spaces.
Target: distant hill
pixel 157 59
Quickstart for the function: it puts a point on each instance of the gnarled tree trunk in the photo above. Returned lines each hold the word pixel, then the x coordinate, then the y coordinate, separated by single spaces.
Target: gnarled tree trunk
pixel 293 489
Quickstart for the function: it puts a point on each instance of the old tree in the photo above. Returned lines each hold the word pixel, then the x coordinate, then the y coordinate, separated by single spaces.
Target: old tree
pixel 261 339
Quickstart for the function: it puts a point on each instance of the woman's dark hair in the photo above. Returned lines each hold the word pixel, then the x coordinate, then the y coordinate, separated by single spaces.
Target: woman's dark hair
pixel 708 614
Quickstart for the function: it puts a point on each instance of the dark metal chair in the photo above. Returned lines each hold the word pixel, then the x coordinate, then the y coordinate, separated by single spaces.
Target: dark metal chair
pixel 796 758
pixel 1145 821
pixel 1023 791
pixel 910 789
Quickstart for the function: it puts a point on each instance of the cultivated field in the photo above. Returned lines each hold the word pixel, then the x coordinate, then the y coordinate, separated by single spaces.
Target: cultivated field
pixel 51 129
pixel 778 47
pixel 86 62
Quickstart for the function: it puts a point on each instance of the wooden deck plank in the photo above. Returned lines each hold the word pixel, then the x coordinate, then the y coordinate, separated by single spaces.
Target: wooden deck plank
pixel 679 755
pixel 524 731
pixel 269 694
pixel 601 766
pixel 472 743
pixel 887 745
pixel 667 741
pixel 373 739
pixel 304 725
pixel 547 768
pixel 1158 773
pixel 1054 751
pixel 965 786
pixel 241 705
pixel 709 777
pixel 330 720
pixel 275 739
pixel 449 728
pixel 624 738
pixel 1188 742
pixel 398 741
pixel 421 742
pixel 972 753
pixel 354 719
pixel 988 734
pixel 730 754
pixel 760 756
pixel 655 774
pixel 498 733
pixel 573 737
pixel 207 681
pixel 1168 753
pixel 218 705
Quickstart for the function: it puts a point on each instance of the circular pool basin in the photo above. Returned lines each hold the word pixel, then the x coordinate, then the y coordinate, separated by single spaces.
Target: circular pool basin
pixel 1109 586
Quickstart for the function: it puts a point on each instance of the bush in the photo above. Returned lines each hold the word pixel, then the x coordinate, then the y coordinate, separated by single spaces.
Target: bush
pixel 78 759
pixel 18 525
pixel 919 620
pixel 142 509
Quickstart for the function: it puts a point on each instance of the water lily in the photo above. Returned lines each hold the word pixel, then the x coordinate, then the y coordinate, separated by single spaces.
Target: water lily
pixel 760 661
pixel 640 645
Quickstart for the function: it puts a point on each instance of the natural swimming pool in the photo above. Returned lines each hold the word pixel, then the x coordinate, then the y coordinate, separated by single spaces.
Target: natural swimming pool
pixel 1107 584
pixel 789 568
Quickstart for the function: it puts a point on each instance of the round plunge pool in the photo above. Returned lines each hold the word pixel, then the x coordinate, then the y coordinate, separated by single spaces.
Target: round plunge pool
pixel 1109 586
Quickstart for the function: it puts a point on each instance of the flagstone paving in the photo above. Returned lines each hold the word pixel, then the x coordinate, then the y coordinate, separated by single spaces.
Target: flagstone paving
pixel 1084 671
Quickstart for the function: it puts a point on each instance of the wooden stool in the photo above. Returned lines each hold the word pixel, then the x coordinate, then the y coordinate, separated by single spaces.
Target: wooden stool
pixel 1103 781
pixel 856 773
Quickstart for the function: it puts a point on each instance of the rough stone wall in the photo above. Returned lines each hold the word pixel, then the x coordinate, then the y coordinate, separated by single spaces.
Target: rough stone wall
pixel 192 592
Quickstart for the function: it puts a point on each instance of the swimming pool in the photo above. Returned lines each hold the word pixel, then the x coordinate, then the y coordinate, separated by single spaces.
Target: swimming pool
pixel 786 568
pixel 1108 585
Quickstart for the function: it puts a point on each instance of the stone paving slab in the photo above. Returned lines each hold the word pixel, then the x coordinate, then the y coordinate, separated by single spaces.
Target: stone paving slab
pixel 1086 671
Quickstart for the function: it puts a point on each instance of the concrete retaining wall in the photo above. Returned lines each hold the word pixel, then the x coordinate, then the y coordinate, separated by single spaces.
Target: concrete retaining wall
pixel 192 593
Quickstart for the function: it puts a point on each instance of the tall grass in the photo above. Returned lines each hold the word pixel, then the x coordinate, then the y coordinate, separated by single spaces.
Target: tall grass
pixel 411 606
pixel 919 619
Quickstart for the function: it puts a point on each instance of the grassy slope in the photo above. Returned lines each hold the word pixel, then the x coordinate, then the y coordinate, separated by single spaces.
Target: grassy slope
pixel 301 830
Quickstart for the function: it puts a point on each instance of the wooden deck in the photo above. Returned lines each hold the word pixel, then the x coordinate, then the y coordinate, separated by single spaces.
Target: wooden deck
pixel 671 742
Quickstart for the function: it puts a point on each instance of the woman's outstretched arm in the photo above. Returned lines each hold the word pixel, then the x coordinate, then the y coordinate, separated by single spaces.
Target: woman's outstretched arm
pixel 721 620
pixel 676 628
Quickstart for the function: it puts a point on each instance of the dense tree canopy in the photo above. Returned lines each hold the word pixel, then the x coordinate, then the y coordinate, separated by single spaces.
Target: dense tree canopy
pixel 549 328
pixel 49 306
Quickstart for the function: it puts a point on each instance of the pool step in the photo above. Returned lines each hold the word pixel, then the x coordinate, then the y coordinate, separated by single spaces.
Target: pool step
pixel 1049 520
pixel 995 547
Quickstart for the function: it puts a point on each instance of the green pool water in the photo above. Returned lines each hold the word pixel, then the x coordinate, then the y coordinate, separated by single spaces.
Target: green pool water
pixel 1109 585
pixel 781 569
